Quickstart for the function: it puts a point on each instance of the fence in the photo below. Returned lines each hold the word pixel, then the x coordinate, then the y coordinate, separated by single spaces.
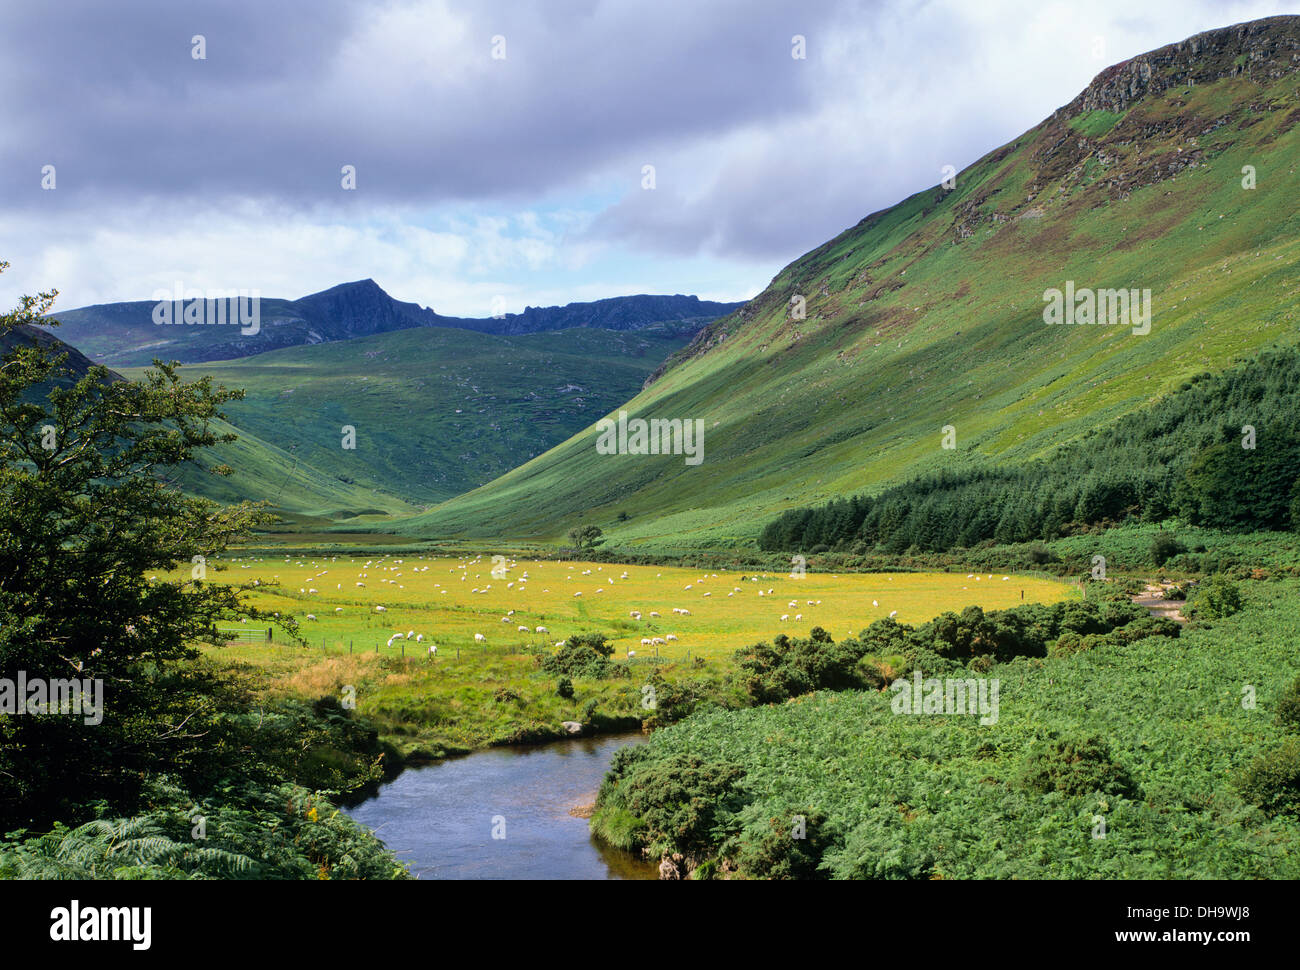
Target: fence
pixel 245 636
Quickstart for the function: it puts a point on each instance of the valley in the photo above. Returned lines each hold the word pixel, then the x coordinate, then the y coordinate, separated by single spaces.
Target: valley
pixel 967 548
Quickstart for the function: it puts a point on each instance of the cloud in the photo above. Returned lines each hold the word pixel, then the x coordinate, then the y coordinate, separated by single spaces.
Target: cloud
pixel 519 175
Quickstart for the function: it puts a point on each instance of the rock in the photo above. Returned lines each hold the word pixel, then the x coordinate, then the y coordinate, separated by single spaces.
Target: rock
pixel 573 727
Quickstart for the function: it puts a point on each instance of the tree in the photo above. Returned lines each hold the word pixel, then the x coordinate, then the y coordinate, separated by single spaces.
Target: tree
pixel 585 537
pixel 86 521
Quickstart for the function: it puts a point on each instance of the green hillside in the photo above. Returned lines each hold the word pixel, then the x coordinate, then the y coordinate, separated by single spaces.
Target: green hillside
pixel 930 313
pixel 436 411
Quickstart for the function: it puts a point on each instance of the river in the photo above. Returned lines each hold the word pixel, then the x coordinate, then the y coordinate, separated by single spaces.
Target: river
pixel 440 819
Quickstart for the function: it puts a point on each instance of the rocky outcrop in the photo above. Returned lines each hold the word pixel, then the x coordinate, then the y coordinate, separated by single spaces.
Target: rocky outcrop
pixel 1268 48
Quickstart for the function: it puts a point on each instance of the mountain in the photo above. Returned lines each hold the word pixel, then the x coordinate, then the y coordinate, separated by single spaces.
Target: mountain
pixel 127 334
pixel 436 411
pixel 1173 172
pixel 78 364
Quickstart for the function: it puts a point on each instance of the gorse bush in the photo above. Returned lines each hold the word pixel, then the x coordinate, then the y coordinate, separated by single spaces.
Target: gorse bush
pixel 1214 598
pixel 1273 780
pixel 666 806
pixel 1075 766
pixel 1288 707
pixel 1164 547
pixel 581 655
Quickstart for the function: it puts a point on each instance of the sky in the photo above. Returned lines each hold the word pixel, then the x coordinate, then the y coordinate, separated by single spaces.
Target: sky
pixel 500 149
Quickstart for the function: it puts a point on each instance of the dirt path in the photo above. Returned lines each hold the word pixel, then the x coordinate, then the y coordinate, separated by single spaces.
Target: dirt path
pixel 1156 604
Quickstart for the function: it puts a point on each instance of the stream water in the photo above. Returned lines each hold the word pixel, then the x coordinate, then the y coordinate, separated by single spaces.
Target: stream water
pixel 441 819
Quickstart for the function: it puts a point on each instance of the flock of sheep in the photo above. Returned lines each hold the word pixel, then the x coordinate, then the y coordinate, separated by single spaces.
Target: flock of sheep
pixel 501 568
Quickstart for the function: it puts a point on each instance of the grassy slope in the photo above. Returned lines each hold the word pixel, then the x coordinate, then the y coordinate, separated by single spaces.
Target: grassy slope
pixel 911 326
pixel 437 411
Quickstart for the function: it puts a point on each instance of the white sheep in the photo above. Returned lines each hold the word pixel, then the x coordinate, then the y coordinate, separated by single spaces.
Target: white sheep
pixel 311 616
pixel 798 616
pixel 784 617
pixel 479 638
pixel 893 614
pixel 523 629
pixel 381 609
pixel 542 629
pixel 671 636
pixel 645 642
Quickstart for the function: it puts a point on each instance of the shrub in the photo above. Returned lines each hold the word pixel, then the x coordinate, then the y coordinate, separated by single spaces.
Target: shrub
pixel 1288 707
pixel 1164 547
pixel 564 688
pixel 581 655
pixel 1214 599
pixel 1074 766
pixel 785 846
pixel 676 801
pixel 1273 780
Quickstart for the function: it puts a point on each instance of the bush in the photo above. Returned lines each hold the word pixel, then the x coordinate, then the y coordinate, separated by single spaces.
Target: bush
pixel 1074 766
pixel 1288 707
pixel 1164 547
pixel 1273 780
pixel 786 846
pixel 667 805
pixel 582 655
pixel 1214 599
pixel 564 688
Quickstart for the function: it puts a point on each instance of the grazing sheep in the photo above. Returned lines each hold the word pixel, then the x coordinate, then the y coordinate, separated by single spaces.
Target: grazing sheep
pixel 381 609
pixel 654 612
pixel 631 654
pixel 784 617
pixel 798 616
pixel 338 609
pixel 433 648
pixel 311 616
pixel 671 636
pixel 542 629
pixel 645 642
pixel 875 603
pixel 658 641
pixel 894 614
pixel 419 638
pixel 523 629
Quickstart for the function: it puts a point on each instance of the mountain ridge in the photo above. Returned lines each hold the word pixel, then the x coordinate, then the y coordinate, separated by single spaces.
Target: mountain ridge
pixel 125 333
pixel 929 313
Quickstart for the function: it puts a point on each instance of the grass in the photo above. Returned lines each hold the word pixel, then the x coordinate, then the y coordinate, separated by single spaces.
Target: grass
pixel 435 597
pixel 436 411
pixel 474 695
pixel 911 326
